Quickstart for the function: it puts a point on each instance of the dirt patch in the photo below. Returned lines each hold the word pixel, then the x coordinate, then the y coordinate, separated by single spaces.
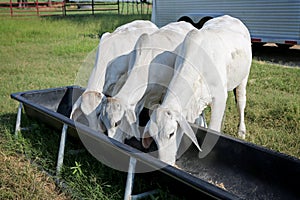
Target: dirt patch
pixel 20 180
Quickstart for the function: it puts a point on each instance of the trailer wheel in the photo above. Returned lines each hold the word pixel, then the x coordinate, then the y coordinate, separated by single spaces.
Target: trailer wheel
pixel 258 44
pixel 196 25
pixel 202 21
pixel 284 46
pixel 186 19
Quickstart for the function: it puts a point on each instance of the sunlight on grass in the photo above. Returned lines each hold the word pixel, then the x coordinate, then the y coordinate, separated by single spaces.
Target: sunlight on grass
pixel 273 110
pixel 48 52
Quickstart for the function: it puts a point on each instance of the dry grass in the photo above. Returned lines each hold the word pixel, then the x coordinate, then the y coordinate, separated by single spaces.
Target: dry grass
pixel 21 180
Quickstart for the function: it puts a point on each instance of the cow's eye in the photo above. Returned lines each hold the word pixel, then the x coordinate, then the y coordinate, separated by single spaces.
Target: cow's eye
pixel 171 135
pixel 118 106
pixel 169 114
pixel 117 123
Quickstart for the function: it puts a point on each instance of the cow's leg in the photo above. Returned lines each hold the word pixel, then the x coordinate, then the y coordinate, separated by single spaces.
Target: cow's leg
pixel 201 120
pixel 241 104
pixel 217 113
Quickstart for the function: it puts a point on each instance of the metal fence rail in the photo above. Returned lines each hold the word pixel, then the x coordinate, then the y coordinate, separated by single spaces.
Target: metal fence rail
pixel 91 7
pixel 24 8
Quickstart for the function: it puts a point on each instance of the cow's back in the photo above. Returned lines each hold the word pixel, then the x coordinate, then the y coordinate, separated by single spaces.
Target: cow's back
pixel 218 55
pixel 114 45
pixel 229 38
pixel 152 60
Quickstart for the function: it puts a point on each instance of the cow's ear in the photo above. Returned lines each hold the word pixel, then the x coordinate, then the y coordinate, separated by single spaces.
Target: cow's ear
pixel 152 108
pixel 188 131
pixel 90 101
pixel 76 111
pixel 130 116
pixel 183 143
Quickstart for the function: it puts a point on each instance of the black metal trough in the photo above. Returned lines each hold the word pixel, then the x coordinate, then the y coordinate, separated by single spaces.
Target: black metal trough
pixel 234 169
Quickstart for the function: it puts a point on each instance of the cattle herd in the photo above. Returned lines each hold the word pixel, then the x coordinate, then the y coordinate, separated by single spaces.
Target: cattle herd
pixel 174 73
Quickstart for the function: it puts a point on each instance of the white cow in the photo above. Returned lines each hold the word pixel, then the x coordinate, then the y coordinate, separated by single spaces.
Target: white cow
pixel 213 60
pixel 150 71
pixel 111 48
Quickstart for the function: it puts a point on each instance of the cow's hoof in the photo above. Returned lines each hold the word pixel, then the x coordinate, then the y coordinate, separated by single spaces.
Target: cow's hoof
pixel 242 134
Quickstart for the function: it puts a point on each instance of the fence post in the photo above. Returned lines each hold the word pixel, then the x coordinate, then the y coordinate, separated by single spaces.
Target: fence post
pixel 64 8
pixel 37 7
pixel 92 7
pixel 118 7
pixel 11 8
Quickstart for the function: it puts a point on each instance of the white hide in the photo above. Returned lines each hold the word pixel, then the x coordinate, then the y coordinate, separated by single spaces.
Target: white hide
pixel 111 48
pixel 213 60
pixel 150 71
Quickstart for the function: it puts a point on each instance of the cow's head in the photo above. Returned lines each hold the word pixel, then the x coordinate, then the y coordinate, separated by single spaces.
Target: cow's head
pixel 113 113
pixel 166 128
pixel 87 105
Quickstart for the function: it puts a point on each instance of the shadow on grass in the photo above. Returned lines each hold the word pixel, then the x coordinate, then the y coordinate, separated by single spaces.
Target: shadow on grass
pixel 105 22
pixel 84 175
pixel 278 55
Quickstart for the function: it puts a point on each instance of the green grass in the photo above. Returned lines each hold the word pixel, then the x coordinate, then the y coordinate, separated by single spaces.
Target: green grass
pixel 273 110
pixel 47 52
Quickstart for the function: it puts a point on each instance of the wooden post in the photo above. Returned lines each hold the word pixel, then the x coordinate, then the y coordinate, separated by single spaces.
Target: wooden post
pixel 92 7
pixel 11 8
pixel 118 7
pixel 64 8
pixel 37 7
pixel 49 3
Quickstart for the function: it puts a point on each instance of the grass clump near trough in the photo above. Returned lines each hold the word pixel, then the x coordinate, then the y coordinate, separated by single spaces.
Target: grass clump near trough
pixel 47 52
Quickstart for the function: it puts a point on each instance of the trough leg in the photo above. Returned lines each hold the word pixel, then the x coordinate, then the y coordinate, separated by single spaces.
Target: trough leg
pixel 144 195
pixel 129 183
pixel 61 151
pixel 18 121
pixel 130 178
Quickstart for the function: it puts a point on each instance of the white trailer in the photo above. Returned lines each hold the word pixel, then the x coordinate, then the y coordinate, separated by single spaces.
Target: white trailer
pixel 269 21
